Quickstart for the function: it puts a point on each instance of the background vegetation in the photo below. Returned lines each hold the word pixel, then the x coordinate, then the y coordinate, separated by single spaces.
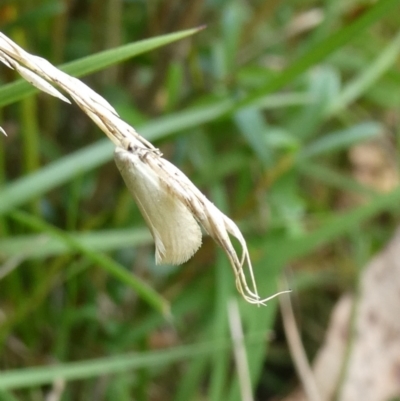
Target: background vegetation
pixel 284 113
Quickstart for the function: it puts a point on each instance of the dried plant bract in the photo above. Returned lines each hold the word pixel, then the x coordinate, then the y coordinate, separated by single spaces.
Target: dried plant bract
pixel 171 204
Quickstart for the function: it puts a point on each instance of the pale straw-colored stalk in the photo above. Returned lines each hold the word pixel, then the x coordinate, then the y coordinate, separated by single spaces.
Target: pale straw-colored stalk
pixel 144 169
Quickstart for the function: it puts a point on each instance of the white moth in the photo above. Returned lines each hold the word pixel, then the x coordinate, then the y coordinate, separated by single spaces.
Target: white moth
pixel 176 234
pixel 173 208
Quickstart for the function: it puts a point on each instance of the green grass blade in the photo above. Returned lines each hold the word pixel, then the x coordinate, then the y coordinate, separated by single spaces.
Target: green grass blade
pixel 143 290
pixel 282 252
pixel 15 91
pixel 339 140
pixel 37 376
pixel 331 178
pixel 38 246
pixel 57 173
pixel 368 77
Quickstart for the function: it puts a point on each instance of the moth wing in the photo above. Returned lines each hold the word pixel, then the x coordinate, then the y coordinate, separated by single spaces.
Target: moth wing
pixel 176 233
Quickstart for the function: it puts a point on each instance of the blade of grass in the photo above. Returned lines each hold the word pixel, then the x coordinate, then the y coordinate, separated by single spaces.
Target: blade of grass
pixel 143 290
pixel 15 91
pixel 359 85
pixel 339 140
pixel 40 246
pixel 28 377
pixel 280 252
pixel 329 177
pixel 32 185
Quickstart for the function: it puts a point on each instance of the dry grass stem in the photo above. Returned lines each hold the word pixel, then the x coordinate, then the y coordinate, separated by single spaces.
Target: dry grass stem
pixel 239 350
pixel 164 179
pixel 297 351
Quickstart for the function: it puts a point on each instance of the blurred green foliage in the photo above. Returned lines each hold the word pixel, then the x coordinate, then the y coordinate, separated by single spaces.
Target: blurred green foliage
pixel 263 110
